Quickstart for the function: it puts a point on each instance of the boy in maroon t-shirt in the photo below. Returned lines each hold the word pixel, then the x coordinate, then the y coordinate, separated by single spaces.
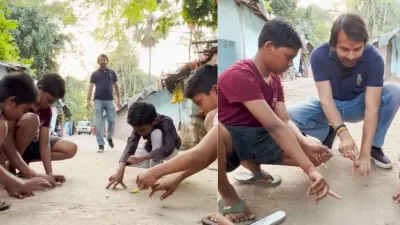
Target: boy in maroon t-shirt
pixel 255 128
pixel 30 135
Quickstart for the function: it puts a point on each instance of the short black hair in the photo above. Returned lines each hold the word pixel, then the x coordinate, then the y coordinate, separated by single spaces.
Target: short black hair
pixel 53 84
pixel 352 25
pixel 281 33
pixel 102 56
pixel 19 85
pixel 141 113
pixel 202 80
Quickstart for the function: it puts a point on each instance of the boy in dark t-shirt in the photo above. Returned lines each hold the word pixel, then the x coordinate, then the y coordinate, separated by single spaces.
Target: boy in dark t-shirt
pixel 254 126
pixel 163 142
pixel 30 135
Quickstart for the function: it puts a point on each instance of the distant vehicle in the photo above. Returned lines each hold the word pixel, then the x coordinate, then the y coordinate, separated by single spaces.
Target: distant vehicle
pixel 84 127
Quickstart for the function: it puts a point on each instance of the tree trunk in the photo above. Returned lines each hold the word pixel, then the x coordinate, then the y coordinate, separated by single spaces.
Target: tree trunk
pixel 149 78
pixel 373 18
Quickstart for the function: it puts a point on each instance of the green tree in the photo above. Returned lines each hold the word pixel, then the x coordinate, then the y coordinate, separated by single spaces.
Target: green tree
pixel 381 16
pixel 313 21
pixel 125 62
pixel 282 8
pixel 60 11
pixel 75 97
pixel 8 48
pixel 38 37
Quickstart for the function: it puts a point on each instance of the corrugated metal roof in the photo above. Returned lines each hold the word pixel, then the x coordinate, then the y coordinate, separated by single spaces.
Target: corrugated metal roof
pixel 384 39
pixel 257 7
pixel 12 65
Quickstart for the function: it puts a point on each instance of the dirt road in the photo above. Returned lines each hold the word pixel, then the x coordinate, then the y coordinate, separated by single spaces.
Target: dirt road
pixel 366 200
pixel 83 199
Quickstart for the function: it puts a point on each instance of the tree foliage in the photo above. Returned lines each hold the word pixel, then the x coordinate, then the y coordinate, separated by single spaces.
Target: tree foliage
pixel 313 21
pixel 125 62
pixel 202 13
pixel 60 11
pixel 8 48
pixel 74 97
pixel 381 16
pixel 38 37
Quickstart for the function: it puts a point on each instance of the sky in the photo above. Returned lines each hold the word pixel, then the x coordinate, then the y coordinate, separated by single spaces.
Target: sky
pixel 165 55
pixel 324 4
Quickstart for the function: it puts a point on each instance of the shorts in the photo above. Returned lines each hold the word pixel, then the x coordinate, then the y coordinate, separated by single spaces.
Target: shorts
pixel 252 143
pixel 32 152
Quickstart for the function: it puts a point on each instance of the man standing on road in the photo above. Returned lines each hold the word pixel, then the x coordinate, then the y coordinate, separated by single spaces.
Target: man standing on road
pixel 105 80
pixel 349 75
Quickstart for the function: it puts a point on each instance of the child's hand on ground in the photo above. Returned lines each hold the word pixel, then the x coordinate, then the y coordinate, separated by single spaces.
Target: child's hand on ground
pixel 362 165
pixel 396 196
pixel 319 186
pixel 116 179
pixel 146 180
pixel 58 178
pixel 167 184
pixel 318 152
pixel 49 178
pixel 27 187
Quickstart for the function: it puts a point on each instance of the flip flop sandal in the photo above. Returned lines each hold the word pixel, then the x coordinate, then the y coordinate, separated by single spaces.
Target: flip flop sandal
pixel 249 178
pixel 4 206
pixel 236 208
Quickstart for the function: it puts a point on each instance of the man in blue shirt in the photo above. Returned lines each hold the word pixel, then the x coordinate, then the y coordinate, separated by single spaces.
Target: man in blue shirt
pixel 349 75
pixel 105 81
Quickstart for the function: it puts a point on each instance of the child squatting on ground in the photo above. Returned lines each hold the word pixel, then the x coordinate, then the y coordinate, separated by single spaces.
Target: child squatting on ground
pixel 17 94
pixel 202 90
pixel 29 138
pixel 163 141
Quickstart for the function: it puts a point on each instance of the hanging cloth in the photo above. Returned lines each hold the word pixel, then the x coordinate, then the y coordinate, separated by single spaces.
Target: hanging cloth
pixel 177 96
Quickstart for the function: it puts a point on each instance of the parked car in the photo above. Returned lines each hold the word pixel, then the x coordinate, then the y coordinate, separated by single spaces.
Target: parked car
pixel 84 127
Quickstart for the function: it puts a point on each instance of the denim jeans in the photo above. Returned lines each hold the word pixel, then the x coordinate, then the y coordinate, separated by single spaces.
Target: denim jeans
pixel 109 108
pixel 310 118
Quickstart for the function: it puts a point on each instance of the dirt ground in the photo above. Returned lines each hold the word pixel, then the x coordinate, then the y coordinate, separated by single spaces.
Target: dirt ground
pixel 83 199
pixel 366 200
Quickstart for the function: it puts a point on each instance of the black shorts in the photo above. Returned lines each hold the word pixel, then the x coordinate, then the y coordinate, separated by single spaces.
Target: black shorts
pixel 32 152
pixel 252 143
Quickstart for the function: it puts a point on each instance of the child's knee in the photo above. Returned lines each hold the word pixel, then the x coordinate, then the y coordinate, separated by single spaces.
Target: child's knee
pixel 29 121
pixel 70 149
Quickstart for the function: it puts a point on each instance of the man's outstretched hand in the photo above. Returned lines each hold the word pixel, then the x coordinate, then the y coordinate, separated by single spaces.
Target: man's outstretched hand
pixel 362 165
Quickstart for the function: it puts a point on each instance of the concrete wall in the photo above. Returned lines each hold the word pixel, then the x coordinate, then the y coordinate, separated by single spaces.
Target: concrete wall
pixel 395 57
pixel 238 31
pixel 3 71
pixel 179 112
pixel 391 56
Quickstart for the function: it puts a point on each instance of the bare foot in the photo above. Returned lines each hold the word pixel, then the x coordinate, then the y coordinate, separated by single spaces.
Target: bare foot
pixel 219 218
pixel 239 216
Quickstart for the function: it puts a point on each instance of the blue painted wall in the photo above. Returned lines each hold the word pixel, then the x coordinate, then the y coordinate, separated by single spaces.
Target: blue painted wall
pixel 231 21
pixel 395 62
pixel 177 111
